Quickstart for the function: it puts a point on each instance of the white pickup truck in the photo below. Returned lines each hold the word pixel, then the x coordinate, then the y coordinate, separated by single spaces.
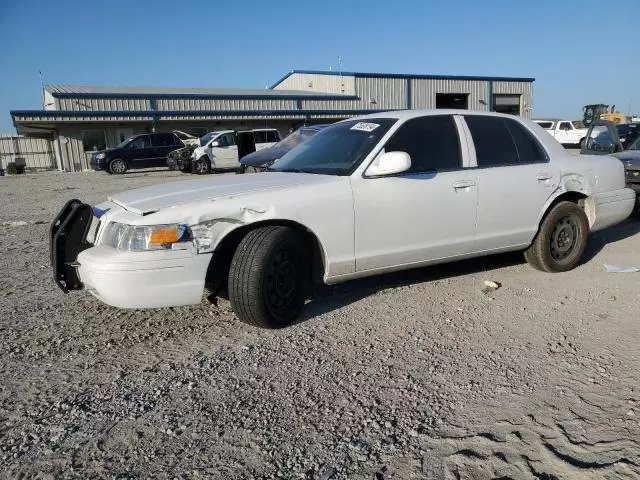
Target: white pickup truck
pixel 567 132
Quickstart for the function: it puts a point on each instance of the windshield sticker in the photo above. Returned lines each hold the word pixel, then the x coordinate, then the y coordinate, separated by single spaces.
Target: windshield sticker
pixel 365 127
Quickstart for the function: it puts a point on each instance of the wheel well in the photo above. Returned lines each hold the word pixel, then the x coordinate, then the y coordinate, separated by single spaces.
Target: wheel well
pixel 578 198
pixel 218 271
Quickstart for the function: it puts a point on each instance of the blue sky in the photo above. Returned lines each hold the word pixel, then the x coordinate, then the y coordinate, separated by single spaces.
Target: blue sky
pixel 579 51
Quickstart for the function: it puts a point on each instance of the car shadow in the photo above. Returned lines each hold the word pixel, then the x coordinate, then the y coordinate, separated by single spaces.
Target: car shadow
pixel 599 240
pixel 333 297
pixel 327 298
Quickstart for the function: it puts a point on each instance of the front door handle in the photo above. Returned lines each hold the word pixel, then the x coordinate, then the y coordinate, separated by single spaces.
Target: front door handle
pixel 543 177
pixel 463 184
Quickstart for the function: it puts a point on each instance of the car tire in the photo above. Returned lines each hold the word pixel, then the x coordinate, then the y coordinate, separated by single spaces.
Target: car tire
pixel 202 166
pixel 561 239
pixel 118 166
pixel 268 277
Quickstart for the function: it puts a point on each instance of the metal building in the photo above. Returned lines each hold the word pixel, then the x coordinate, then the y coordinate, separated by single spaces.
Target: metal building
pixel 79 120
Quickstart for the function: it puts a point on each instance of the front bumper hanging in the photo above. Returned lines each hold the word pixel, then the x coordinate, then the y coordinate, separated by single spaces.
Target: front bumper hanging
pixel 68 237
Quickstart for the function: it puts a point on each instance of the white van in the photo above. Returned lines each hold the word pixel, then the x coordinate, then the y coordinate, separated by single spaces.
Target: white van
pixel 219 150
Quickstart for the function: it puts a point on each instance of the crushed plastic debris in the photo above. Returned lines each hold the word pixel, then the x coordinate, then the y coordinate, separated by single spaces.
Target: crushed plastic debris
pixel 490 286
pixel 616 269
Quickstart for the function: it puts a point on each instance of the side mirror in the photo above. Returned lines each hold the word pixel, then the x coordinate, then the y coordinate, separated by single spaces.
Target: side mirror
pixel 389 163
pixel 215 144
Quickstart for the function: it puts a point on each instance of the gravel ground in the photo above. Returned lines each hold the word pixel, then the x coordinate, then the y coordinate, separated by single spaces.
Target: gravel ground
pixel 412 375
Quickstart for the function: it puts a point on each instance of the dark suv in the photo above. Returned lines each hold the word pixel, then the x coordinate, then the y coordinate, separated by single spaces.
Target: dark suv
pixel 140 151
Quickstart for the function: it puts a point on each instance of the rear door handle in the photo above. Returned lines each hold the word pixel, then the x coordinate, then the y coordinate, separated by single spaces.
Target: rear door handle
pixel 463 184
pixel 543 177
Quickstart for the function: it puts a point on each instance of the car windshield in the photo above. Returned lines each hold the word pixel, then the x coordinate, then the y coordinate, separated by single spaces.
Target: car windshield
pixel 125 142
pixel 207 137
pixel 337 149
pixel 578 124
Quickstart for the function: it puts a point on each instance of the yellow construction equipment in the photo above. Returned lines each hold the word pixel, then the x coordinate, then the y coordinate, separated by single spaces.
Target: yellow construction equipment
pixel 601 111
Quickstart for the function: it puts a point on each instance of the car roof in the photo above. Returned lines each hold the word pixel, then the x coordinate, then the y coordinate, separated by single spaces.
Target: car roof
pixel 408 114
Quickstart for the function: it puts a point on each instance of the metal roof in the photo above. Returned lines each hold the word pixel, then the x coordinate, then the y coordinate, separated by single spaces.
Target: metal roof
pixel 404 75
pixel 62 91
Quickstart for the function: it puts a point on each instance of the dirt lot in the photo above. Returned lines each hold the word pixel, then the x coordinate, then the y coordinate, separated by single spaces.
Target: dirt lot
pixel 413 375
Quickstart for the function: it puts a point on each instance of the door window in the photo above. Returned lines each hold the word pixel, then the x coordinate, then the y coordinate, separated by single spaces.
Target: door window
pixel 493 141
pixel 226 140
pixel 141 142
pixel 545 125
pixel 528 147
pixel 566 126
pixel 432 143
pixel 163 140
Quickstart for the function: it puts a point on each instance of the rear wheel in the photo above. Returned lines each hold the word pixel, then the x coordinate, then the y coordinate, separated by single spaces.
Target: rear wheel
pixel 118 166
pixel 561 240
pixel 202 166
pixel 268 277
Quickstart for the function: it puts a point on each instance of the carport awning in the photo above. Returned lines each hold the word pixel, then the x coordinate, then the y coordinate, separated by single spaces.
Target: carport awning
pixel 50 117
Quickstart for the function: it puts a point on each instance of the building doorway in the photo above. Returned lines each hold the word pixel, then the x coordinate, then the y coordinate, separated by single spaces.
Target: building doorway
pixel 122 134
pixel 506 103
pixel 452 100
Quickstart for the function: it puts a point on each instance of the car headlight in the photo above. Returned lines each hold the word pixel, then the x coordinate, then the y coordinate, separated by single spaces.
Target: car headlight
pixel 100 156
pixel 146 237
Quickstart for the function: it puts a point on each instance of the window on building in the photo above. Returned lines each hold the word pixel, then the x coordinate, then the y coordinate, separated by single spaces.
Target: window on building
pixel 93 140
pixel 506 103
pixel 197 131
pixel 431 142
pixel 492 140
pixel 452 100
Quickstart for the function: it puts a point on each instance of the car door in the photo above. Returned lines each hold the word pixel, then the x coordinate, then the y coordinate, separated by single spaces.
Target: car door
pixel 421 215
pixel 162 144
pixel 515 181
pixel 564 133
pixel 139 151
pixel 225 153
pixel 602 139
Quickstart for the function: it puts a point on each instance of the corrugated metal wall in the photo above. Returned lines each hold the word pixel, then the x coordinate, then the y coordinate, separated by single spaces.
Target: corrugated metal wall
pixel 37 152
pixel 375 94
pixel 311 82
pixel 224 104
pixel 424 91
pixel 104 104
pixel 50 102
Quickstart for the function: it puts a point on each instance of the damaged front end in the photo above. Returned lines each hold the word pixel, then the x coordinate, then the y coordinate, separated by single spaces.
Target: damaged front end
pixel 181 159
pixel 68 237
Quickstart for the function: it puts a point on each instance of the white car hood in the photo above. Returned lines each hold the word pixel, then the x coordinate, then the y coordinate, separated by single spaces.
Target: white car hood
pixel 147 200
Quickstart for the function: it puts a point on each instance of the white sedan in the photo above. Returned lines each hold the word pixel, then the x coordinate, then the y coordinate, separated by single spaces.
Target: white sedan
pixel 384 192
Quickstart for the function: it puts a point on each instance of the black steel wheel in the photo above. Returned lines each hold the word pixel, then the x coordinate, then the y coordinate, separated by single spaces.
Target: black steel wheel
pixel 561 239
pixel 268 277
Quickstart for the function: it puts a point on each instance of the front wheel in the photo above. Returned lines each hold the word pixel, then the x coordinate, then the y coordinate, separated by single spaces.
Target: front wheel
pixel 201 166
pixel 118 166
pixel 561 240
pixel 268 277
